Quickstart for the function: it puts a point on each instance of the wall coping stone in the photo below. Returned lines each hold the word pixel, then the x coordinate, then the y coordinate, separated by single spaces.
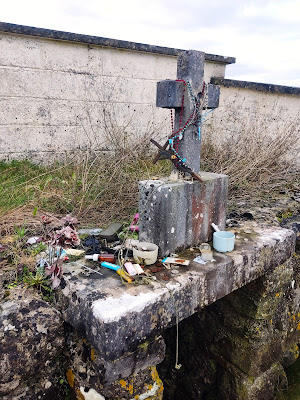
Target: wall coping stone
pixel 262 87
pixel 101 41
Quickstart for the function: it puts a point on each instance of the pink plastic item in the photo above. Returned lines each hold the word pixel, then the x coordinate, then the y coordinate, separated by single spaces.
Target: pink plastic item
pixel 133 226
pixel 133 269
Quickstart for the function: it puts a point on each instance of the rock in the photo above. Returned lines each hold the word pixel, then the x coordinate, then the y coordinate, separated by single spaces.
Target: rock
pixel 31 335
pixel 88 375
pixel 290 356
pixel 242 387
pixel 247 215
pixel 293 223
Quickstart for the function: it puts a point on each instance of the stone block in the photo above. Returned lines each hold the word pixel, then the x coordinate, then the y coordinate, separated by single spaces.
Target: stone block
pixel 122 323
pixel 251 357
pixel 87 375
pixel 169 94
pixel 262 297
pixel 213 95
pixel 31 335
pixel 88 362
pixel 190 67
pixel 251 345
pixel 177 215
pixel 236 385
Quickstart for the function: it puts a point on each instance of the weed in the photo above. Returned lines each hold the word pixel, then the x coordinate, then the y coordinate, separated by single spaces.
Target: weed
pixel 37 280
pixel 21 232
pixel 285 214
pixel 38 248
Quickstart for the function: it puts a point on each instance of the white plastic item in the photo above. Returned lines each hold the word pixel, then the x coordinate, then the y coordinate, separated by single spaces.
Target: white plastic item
pixel 145 253
pixel 216 228
pixel 176 260
pixel 94 257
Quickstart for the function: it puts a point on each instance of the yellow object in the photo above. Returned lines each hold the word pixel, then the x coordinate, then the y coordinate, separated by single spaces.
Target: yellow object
pixel 124 275
pixel 70 377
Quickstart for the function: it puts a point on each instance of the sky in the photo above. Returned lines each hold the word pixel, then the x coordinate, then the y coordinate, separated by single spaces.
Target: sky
pixel 263 36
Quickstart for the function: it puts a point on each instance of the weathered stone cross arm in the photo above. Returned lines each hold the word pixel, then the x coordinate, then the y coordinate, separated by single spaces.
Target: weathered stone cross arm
pixel 169 94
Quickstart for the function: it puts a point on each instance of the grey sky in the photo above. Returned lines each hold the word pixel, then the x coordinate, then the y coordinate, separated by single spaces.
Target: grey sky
pixel 263 35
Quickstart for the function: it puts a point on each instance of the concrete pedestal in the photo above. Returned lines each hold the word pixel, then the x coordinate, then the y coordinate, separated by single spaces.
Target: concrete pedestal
pixel 177 215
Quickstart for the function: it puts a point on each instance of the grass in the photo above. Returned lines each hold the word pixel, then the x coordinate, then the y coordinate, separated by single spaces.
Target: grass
pixel 93 189
pixel 256 153
pixel 102 187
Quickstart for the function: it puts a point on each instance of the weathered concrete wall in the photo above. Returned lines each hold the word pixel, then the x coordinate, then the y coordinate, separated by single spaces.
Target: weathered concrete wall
pixel 62 95
pixel 61 91
pixel 256 108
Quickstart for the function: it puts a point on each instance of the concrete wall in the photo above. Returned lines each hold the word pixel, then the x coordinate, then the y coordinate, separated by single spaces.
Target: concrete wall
pixel 53 93
pixel 60 92
pixel 58 95
pixel 256 109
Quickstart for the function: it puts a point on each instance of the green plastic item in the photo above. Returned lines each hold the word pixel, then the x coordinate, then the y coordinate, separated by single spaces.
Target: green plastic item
pixel 110 233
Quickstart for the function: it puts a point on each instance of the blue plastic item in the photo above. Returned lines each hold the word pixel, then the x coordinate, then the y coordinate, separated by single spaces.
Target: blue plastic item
pixel 223 241
pixel 110 265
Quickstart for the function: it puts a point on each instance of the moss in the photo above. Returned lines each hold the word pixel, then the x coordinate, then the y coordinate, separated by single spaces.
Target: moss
pixel 144 346
pixel 284 214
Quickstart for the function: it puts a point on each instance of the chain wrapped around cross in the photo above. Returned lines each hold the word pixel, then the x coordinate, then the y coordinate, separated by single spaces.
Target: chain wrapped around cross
pixel 186 95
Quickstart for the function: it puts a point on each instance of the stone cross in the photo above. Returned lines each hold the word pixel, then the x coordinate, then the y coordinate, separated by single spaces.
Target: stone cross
pixel 182 95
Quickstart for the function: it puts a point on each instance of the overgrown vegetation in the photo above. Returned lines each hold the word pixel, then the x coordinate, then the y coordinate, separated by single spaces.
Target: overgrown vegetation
pixel 101 187
pixel 18 261
pixel 256 153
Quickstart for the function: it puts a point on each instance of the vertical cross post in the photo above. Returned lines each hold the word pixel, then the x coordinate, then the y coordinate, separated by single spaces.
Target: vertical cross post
pixel 190 68
pixel 176 215
pixel 184 95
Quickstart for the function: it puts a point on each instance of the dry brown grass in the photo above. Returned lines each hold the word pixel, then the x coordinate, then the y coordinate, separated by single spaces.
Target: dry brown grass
pixel 100 187
pixel 255 153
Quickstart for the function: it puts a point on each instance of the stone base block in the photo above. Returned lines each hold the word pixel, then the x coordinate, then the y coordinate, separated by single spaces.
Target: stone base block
pixel 235 385
pixel 177 215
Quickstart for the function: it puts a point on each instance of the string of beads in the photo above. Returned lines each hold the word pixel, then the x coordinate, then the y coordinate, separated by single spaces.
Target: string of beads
pixel 194 118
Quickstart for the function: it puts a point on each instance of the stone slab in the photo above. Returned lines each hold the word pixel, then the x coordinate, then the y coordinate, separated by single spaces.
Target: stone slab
pixel 213 96
pixel 169 94
pixel 176 215
pixel 118 318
